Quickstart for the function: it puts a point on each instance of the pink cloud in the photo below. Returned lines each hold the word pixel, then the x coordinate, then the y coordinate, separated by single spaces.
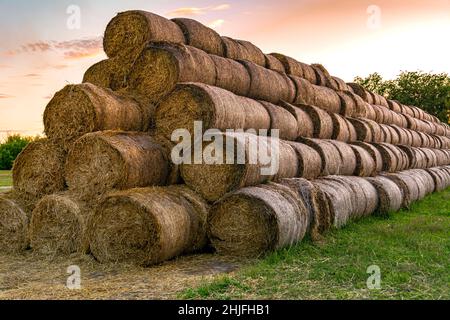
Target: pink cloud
pixel 71 49
pixel 5 96
pixel 192 11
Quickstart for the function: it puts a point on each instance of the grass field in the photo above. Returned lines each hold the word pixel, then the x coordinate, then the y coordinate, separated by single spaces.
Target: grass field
pixel 5 179
pixel 411 249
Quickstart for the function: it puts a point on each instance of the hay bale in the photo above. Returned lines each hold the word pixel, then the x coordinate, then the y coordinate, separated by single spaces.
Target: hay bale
pixel 348 158
pixel 363 131
pixel 341 127
pixel 274 64
pixel 101 161
pixel 360 91
pixel 341 85
pixel 386 134
pixel 319 215
pixel 322 75
pixel 109 73
pixel 148 226
pixel 243 50
pixel 331 158
pixel 269 85
pixel 283 120
pixel 408 185
pixel 321 120
pixel 361 110
pixel 80 109
pixel 13 224
pixel 215 107
pixel 304 91
pixel 394 106
pixel 348 104
pixel 232 76
pixel 129 32
pixel 390 158
pixel 39 169
pixel 365 164
pixel 411 154
pixel 297 68
pixel 440 178
pixel 253 221
pixel 200 36
pixel 58 225
pixel 339 201
pixel 162 65
pixel 374 153
pixel 305 125
pixel 309 161
pixel 326 99
pixel 364 195
pixel 389 194
pixel 377 133
pixel 214 180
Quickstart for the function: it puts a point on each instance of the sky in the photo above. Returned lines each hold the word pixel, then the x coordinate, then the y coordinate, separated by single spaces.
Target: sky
pixel 44 46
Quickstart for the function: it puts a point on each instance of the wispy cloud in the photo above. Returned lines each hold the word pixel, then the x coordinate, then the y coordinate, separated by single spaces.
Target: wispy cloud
pixel 72 49
pixel 193 11
pixel 5 96
pixel 216 23
pixel 32 75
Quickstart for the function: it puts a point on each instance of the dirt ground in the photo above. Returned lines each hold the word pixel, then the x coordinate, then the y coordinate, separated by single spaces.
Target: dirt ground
pixel 29 276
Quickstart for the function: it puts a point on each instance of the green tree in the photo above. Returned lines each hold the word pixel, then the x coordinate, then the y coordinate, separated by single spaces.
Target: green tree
pixel 10 149
pixel 431 92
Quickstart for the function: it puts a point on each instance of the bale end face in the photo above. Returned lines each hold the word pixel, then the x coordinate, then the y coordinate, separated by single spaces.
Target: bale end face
pixel 13 225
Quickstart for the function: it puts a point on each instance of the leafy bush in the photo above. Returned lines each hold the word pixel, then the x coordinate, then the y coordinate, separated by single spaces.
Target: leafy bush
pixel 431 92
pixel 10 149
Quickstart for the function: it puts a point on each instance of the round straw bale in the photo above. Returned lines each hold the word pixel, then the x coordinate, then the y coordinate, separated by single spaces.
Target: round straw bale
pixel 424 182
pixel 305 125
pixel 129 32
pixel 369 112
pixel 341 128
pixel 348 104
pixel 80 109
pixel 401 135
pixel 58 225
pixel 408 185
pixel 348 158
pixel 110 73
pixel 360 91
pixel 341 85
pixel 363 131
pixel 411 154
pixel 283 120
pixel 421 160
pixel 361 110
pixel 322 74
pixel 213 181
pixel 269 85
pixel 200 36
pixel 339 199
pixel 309 161
pixel 365 164
pixel 391 160
pixel 389 194
pixel 406 110
pixel 374 153
pixel 331 158
pixel 256 220
pixel 231 75
pixel 365 195
pixel 107 160
pixel 319 215
pixel 326 99
pixel 297 68
pixel 215 107
pixel 13 224
pixel 322 122
pixel 162 65
pixel 416 140
pixel 243 50
pixel 304 91
pixel 147 226
pixel 274 64
pixel 379 114
pixel 439 177
pixel 383 101
pixel 387 138
pixel 39 169
pixel 377 134
pixel 394 105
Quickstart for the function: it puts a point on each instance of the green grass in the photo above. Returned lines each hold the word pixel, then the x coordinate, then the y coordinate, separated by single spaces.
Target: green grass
pixel 412 249
pixel 5 178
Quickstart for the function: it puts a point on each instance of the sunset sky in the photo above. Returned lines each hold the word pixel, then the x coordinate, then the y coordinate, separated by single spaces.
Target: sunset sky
pixel 39 54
